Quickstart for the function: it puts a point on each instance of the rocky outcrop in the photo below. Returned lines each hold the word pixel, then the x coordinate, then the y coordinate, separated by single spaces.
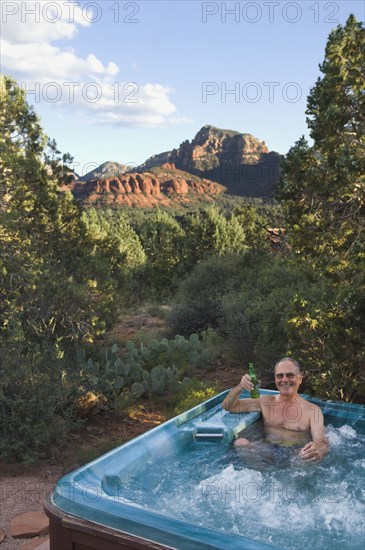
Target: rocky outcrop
pixel 213 146
pixel 106 170
pixel 155 160
pixel 164 185
pixel 240 162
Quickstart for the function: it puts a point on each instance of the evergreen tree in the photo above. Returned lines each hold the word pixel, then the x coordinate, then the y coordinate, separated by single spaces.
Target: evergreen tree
pixel 323 194
pixel 210 233
pixel 162 238
pixel 115 243
pixel 50 285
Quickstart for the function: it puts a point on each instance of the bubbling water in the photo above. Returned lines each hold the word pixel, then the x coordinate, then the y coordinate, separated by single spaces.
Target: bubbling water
pixel 293 505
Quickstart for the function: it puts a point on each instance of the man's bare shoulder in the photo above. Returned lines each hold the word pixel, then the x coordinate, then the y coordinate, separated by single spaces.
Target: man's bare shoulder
pixel 308 405
pixel 310 410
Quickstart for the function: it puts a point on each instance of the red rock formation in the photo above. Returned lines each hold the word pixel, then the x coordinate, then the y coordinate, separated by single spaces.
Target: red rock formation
pixel 164 185
pixel 225 156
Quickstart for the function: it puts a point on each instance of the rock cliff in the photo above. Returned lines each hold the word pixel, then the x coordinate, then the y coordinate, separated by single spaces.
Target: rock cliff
pixel 164 185
pixel 238 161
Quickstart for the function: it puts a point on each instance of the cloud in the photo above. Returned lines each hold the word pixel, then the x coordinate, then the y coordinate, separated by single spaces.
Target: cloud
pixel 80 85
pixel 40 62
pixel 113 103
pixel 26 22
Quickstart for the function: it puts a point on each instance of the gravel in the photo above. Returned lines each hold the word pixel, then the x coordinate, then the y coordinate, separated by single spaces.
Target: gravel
pixel 21 493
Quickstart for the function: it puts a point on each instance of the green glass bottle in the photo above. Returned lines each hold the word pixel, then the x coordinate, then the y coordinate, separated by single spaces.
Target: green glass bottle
pixel 255 392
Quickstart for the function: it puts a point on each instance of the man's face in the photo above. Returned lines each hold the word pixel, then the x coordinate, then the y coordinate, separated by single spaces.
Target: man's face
pixel 287 378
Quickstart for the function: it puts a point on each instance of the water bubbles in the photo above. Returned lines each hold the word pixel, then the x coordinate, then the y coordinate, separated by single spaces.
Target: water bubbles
pixel 338 436
pixel 347 432
pixel 302 505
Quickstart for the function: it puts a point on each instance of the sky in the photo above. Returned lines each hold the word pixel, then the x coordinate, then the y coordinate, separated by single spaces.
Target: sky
pixel 124 80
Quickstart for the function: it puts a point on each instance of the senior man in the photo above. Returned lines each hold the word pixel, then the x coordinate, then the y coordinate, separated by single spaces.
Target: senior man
pixel 289 420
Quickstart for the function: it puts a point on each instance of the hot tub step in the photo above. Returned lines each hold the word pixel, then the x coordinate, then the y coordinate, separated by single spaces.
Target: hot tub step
pixel 200 435
pixel 211 433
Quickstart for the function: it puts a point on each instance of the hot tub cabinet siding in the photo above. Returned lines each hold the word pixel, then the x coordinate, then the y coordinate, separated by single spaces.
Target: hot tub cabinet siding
pixel 85 515
pixel 72 533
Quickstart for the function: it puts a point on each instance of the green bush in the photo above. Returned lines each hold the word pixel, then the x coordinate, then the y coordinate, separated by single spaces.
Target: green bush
pixel 38 395
pixel 198 303
pixel 255 318
pixel 246 299
pixel 194 393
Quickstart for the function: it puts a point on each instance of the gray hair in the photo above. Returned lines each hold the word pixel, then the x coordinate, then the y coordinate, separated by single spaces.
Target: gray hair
pixel 294 361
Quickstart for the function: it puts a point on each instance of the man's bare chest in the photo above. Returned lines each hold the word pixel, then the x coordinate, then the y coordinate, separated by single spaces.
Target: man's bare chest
pixel 291 416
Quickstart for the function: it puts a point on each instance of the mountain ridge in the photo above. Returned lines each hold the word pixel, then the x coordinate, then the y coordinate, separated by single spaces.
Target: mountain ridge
pixel 239 161
pixel 213 145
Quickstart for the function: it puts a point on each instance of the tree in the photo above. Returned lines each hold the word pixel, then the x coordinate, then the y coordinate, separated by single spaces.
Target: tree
pixel 51 285
pixel 336 105
pixel 255 225
pixel 210 233
pixel 115 243
pixel 323 194
pixel 63 277
pixel 163 242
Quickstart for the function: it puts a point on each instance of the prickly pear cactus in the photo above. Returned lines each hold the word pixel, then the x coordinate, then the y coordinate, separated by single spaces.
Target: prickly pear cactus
pixel 147 369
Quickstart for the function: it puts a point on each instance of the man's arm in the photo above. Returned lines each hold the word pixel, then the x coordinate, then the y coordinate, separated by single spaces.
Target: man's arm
pixel 318 447
pixel 232 404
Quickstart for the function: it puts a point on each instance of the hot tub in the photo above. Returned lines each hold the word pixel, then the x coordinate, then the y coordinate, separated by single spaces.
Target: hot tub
pixel 183 485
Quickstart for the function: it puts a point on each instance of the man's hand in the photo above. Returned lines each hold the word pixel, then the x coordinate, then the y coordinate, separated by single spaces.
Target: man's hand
pixel 314 450
pixel 232 403
pixel 246 383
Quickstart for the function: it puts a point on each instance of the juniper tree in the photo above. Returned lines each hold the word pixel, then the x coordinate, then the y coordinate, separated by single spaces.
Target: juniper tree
pixel 322 190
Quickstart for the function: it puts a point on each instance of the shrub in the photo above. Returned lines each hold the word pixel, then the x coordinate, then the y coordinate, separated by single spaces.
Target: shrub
pixel 194 393
pixel 38 392
pixel 198 303
pixel 255 317
pixel 247 299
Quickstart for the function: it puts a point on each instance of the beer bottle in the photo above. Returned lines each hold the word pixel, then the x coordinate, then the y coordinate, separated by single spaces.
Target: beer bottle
pixel 255 391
